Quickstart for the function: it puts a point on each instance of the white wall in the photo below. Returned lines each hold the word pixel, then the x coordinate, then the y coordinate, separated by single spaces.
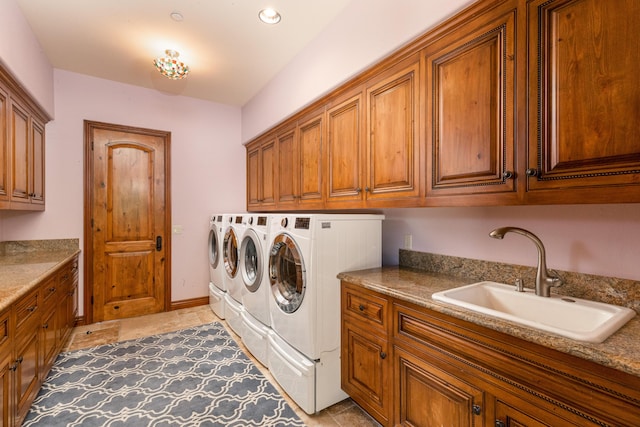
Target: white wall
pixel 596 239
pixel 22 55
pixel 207 167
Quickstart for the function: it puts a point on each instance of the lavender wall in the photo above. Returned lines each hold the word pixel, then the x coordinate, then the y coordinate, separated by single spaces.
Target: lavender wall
pixel 207 167
pixel 22 55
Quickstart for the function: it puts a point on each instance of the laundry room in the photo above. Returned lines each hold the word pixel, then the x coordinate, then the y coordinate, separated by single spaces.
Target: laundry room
pixel 272 180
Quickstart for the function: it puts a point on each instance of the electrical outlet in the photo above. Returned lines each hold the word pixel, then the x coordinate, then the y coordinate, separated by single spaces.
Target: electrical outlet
pixel 408 241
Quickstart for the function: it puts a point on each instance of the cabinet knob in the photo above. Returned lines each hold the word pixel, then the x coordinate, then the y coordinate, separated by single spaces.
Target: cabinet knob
pixel 476 409
pixel 20 359
pixel 32 308
pixel 361 307
pixel 45 326
pixel 531 172
pixel 367 189
pixel 358 190
pixel 500 424
pixel 14 367
pixel 383 355
pixel 507 175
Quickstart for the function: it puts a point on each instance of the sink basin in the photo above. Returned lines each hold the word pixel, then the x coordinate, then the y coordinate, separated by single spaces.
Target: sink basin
pixel 574 318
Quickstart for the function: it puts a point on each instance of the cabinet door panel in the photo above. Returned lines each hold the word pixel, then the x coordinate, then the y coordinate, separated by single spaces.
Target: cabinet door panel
pixel 392 138
pixel 253 177
pixel 20 153
pixel 4 146
pixel 432 397
pixel 471 108
pixel 287 168
pixel 268 173
pixel 366 370
pixel 344 148
pixel 36 173
pixel 311 151
pixel 584 117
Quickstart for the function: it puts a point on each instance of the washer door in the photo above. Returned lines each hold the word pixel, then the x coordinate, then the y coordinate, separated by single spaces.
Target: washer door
pixel 214 248
pixel 251 261
pixel 230 252
pixel 286 273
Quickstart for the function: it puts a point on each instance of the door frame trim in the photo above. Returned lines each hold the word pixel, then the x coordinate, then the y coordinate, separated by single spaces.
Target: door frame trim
pixel 89 125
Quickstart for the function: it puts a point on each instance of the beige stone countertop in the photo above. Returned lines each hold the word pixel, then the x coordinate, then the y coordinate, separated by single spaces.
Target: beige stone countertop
pixel 20 272
pixel 620 351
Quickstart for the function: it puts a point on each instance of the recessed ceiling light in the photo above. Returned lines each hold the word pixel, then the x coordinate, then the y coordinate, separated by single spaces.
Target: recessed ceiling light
pixel 269 16
pixel 177 16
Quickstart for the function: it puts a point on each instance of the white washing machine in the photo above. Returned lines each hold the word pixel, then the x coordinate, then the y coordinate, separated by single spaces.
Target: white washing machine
pixel 254 259
pixel 306 254
pixel 216 266
pixel 233 230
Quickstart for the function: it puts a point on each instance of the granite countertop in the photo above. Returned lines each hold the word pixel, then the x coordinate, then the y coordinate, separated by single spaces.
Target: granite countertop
pixel 620 351
pixel 23 265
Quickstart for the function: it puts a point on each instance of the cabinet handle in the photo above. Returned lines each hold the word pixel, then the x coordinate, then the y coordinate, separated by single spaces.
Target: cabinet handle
pixel 507 174
pixel 383 355
pixel 158 243
pixel 476 409
pixel 358 190
pixel 531 172
pixel 361 307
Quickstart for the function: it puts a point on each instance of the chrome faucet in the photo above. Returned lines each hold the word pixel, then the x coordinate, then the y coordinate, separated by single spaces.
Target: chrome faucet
pixel 544 281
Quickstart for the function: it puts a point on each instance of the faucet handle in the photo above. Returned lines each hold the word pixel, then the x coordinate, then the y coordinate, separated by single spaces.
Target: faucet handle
pixel 555 278
pixel 519 285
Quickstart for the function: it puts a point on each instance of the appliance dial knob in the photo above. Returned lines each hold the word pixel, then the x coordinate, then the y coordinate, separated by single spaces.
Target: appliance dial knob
pixel 284 222
pixel 251 220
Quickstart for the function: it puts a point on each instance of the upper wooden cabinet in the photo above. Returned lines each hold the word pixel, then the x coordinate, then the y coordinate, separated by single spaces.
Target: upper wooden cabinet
pixel 471 110
pixel 4 147
pixel 300 174
pixel 22 139
pixel 507 102
pixel 261 174
pixel 584 101
pixel 345 150
pixel 392 158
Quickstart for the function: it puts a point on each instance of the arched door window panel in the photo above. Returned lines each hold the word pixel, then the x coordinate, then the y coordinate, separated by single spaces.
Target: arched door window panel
pixel 230 254
pixel 214 250
pixel 286 273
pixel 251 262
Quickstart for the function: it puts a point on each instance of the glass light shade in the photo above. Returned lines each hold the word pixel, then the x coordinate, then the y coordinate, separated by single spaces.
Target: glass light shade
pixel 170 67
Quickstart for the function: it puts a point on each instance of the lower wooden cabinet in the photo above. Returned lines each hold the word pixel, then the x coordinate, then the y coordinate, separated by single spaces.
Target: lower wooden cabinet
pixel 440 370
pixel 33 331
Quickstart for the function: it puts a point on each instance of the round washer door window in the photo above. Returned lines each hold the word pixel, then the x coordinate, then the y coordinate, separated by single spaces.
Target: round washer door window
pixel 214 250
pixel 286 273
pixel 230 252
pixel 251 257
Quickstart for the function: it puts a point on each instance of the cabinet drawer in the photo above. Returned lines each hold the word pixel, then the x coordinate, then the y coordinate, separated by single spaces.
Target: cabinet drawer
pixel 49 291
pixel 26 308
pixel 365 306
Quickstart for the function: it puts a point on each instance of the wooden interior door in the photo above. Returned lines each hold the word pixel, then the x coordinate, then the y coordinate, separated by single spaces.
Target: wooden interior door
pixel 127 221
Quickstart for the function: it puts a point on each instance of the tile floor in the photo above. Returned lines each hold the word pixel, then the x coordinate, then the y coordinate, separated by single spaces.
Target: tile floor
pixel 342 414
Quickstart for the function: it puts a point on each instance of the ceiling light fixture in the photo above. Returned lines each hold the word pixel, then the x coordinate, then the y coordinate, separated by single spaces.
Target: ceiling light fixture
pixel 177 16
pixel 269 16
pixel 170 67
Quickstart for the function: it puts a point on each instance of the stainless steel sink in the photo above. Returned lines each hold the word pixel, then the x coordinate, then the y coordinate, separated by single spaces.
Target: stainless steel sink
pixel 575 318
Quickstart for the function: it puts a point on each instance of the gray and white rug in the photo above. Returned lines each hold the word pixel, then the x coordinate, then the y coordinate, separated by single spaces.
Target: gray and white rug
pixel 193 377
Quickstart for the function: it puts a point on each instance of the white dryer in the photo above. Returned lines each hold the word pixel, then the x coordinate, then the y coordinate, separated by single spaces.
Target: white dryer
pixel 233 231
pixel 306 254
pixel 216 266
pixel 254 258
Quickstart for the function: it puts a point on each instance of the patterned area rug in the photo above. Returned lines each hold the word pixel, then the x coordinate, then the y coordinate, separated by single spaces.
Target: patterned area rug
pixel 193 377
